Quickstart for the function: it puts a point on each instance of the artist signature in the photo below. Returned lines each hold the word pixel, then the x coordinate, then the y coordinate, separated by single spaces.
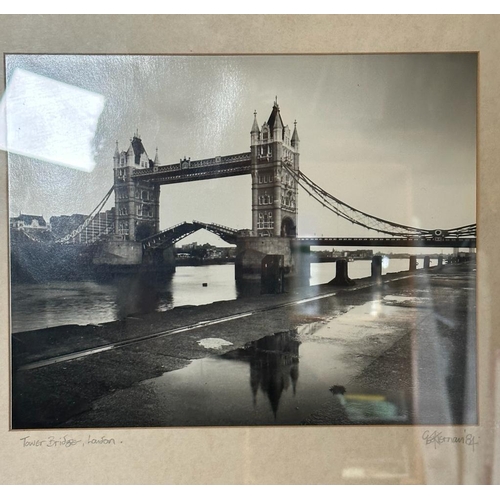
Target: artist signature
pixel 437 438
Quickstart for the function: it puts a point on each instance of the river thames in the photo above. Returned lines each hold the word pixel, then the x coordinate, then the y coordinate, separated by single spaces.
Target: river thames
pixel 36 306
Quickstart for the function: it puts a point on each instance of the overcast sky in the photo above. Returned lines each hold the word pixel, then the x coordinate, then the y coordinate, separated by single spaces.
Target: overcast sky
pixel 392 135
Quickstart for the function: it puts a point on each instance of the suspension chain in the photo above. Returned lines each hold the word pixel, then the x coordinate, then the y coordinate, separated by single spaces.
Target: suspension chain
pixel 368 221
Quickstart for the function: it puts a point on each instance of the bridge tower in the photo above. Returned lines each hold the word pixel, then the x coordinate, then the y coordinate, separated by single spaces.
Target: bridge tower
pixel 274 190
pixel 137 202
pixel 274 158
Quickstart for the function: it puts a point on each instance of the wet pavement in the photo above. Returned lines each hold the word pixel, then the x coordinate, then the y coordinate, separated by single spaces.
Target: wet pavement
pixel 399 352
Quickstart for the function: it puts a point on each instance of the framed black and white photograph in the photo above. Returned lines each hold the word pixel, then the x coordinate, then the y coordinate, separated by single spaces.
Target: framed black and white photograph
pixel 256 240
pixel 267 244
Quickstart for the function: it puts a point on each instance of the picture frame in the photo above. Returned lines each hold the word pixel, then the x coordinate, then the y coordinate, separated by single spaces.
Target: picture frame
pixel 277 455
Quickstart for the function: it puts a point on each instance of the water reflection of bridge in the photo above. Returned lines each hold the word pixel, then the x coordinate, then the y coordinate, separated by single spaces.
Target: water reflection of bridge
pixel 274 370
pixel 274 365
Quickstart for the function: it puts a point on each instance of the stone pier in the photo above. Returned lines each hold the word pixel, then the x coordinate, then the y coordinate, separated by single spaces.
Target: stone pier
pixel 118 252
pixel 341 274
pixel 413 262
pixel 376 268
pixel 117 256
pixel 251 250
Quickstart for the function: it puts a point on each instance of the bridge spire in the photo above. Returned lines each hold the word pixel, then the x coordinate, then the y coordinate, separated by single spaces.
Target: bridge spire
pixel 275 122
pixel 117 151
pixel 295 136
pixel 255 126
pixel 157 160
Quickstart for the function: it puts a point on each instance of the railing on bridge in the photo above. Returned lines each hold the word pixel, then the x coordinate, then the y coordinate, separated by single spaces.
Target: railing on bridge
pixel 169 236
pixel 172 235
pixel 434 242
pixel 228 234
pixel 187 170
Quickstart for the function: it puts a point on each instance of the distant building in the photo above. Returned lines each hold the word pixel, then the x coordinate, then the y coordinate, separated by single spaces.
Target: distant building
pixel 25 221
pixel 62 225
pixel 34 227
pixel 213 253
pixel 103 223
pixel 205 251
pixel 188 247
pixel 359 254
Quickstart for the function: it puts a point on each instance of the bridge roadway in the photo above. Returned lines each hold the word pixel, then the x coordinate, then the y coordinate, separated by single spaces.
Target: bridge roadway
pixel 388 242
pixel 88 376
pixel 170 236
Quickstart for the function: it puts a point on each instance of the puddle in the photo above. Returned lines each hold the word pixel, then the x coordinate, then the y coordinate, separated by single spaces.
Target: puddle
pixel 284 378
pixel 407 301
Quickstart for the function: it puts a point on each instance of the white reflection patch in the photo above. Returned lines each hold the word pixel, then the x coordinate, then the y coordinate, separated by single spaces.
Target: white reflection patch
pixel 375 308
pixel 214 343
pixel 49 120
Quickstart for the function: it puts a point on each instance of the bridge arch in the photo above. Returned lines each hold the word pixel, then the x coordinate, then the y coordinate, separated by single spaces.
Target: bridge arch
pixel 288 227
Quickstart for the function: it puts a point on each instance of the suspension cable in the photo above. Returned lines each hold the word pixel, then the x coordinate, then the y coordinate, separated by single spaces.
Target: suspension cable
pixel 366 220
pixel 87 221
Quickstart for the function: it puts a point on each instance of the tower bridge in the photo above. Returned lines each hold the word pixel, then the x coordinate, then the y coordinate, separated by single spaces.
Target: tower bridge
pixel 273 163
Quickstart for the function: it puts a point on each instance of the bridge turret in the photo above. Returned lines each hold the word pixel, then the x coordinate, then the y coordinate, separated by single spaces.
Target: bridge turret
pixel 274 190
pixel 295 137
pixel 130 155
pixel 255 132
pixel 276 123
pixel 136 200
pixel 116 156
